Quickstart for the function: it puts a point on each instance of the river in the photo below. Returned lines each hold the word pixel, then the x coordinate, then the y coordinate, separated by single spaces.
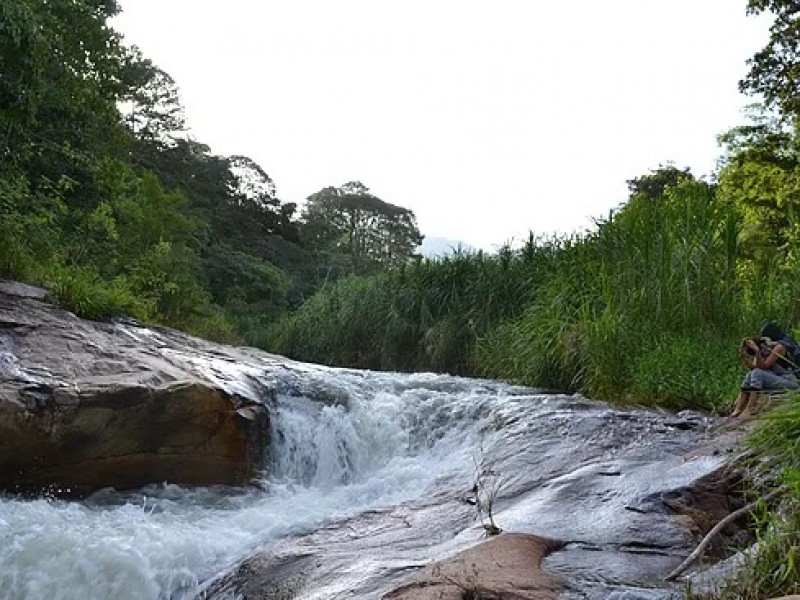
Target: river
pixel 383 464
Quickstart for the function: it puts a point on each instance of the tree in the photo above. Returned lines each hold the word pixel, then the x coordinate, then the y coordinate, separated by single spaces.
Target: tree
pixel 253 183
pixel 255 194
pixel 152 105
pixel 351 223
pixel 775 69
pixel 60 78
pixel 760 177
pixel 653 185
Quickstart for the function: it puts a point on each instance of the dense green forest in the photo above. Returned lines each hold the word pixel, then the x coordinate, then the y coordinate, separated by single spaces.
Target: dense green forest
pixel 107 201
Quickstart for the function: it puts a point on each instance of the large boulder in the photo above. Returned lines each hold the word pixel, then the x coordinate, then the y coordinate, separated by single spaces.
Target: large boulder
pixel 503 567
pixel 86 405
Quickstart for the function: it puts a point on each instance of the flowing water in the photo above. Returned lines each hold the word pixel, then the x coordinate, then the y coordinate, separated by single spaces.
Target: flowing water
pixel 357 447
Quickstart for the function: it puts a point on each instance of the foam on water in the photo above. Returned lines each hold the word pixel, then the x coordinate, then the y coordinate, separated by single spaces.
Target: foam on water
pixel 374 441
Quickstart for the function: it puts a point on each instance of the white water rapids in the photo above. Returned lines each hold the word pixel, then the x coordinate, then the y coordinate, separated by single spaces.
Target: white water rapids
pixel 348 443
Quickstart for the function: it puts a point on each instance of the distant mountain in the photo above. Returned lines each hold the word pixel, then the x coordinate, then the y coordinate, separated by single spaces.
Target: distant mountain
pixel 432 247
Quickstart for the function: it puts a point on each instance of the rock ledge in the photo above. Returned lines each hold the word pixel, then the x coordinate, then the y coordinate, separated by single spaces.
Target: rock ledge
pixel 86 405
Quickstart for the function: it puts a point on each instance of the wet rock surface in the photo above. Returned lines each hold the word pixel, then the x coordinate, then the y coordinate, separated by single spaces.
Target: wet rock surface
pixel 86 405
pixel 623 496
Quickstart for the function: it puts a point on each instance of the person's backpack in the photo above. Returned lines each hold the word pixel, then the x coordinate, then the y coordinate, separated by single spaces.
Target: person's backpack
pixel 791 360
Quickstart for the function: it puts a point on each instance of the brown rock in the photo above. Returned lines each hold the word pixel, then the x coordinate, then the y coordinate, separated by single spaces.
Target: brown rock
pixel 74 443
pixel 506 566
pixel 86 405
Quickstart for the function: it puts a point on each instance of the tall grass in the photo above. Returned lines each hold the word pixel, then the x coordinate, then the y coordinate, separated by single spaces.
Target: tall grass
pixel 647 307
pixel 429 314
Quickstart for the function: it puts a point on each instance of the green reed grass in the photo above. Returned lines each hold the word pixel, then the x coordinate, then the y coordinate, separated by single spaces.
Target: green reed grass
pixel 647 307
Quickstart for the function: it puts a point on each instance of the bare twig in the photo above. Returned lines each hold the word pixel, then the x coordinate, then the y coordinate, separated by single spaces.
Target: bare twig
pixel 698 552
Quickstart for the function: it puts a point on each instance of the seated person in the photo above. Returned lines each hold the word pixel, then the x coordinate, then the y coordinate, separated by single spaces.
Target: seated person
pixel 769 367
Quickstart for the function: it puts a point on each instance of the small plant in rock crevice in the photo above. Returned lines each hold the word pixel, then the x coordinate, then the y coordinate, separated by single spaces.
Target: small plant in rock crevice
pixel 488 485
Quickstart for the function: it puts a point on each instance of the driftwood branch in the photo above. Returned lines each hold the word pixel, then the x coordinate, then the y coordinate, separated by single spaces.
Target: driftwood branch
pixel 698 552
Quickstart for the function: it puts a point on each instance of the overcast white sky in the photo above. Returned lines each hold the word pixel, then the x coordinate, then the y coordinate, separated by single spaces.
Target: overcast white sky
pixel 486 118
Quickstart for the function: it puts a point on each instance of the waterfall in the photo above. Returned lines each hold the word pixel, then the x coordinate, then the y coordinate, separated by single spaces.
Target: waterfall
pixel 342 442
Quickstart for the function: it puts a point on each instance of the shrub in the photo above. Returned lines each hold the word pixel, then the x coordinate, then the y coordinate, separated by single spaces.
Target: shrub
pixel 83 291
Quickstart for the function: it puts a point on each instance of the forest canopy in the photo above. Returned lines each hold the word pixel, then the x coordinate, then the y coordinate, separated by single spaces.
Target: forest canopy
pixel 108 201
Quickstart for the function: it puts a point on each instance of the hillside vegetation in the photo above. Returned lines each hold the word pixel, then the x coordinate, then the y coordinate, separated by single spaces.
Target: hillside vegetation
pixel 648 307
pixel 108 201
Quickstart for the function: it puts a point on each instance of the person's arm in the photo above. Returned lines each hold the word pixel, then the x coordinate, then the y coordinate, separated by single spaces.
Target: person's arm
pixel 769 361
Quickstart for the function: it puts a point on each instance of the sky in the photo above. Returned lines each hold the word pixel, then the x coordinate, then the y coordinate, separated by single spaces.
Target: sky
pixel 487 118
